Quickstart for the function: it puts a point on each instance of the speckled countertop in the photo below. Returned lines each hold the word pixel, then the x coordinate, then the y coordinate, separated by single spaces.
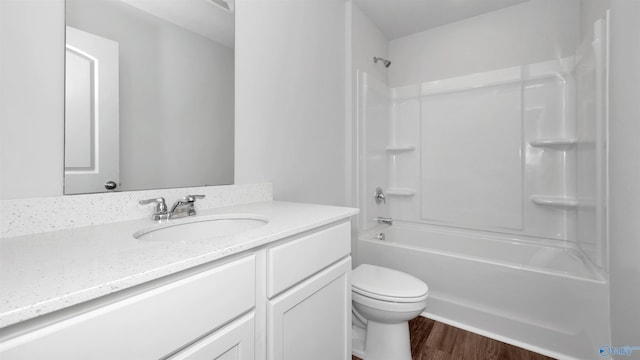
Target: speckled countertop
pixel 46 272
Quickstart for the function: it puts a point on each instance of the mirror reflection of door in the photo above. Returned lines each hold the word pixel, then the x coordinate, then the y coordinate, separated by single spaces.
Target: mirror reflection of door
pixel 91 113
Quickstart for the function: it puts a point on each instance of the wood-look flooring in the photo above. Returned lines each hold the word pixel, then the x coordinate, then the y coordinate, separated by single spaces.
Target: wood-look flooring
pixel 432 340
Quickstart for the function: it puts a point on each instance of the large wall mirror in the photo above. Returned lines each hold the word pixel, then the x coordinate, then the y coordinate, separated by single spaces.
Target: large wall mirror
pixel 149 94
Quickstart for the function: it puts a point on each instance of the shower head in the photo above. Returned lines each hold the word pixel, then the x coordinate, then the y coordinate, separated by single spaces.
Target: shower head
pixel 386 62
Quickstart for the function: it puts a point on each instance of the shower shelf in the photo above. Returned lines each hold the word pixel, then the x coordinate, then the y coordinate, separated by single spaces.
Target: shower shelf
pixel 401 192
pixel 400 148
pixel 560 143
pixel 554 201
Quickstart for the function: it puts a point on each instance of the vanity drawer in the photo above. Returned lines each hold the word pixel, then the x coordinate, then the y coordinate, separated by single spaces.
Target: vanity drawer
pixel 150 325
pixel 233 342
pixel 298 259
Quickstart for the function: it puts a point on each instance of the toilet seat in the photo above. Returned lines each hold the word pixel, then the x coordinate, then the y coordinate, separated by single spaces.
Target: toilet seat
pixel 390 298
pixel 389 306
pixel 388 285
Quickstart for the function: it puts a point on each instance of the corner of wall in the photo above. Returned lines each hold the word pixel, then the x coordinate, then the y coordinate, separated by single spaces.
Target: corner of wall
pixel 32 111
pixel 624 173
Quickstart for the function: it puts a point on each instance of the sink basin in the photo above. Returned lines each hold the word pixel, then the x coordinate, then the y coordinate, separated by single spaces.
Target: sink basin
pixel 200 228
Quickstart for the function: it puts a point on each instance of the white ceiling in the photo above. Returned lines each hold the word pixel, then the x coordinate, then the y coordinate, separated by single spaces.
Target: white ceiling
pixel 398 18
pixel 203 17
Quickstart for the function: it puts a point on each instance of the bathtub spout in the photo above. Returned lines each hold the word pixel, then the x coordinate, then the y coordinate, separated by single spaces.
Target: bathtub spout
pixel 384 220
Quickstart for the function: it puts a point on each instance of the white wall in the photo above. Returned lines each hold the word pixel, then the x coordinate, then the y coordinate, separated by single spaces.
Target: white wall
pixel 368 41
pixel 176 97
pixel 290 98
pixel 31 98
pixel 625 174
pixel 530 32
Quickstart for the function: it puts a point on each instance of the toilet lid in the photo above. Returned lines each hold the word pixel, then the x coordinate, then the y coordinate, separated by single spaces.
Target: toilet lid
pixel 387 283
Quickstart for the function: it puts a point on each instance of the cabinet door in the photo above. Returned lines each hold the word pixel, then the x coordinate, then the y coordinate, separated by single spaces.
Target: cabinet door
pixel 312 321
pixel 233 342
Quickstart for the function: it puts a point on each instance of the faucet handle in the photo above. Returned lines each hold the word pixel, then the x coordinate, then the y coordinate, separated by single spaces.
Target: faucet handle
pixel 184 206
pixel 161 205
pixel 192 198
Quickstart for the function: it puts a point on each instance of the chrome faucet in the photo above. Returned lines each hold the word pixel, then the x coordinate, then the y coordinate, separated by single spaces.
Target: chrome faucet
pixel 160 212
pixel 181 208
pixel 384 220
pixel 184 207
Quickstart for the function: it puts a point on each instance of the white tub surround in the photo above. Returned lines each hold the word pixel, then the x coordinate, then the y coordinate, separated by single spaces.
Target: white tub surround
pixel 518 150
pixel 496 181
pixel 37 215
pixel 46 272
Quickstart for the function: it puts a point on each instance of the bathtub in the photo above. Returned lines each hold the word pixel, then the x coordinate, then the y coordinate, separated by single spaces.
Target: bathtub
pixel 531 293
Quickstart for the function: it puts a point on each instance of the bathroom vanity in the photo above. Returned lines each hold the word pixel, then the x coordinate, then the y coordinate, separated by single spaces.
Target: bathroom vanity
pixel 280 291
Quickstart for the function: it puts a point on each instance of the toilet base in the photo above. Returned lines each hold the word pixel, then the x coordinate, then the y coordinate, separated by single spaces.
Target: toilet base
pixel 382 341
pixel 358 338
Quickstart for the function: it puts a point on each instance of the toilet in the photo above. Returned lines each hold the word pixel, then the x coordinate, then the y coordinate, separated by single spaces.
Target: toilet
pixel 384 300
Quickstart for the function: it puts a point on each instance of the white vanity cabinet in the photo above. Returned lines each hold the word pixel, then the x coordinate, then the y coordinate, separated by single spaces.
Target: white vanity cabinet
pixel 288 300
pixel 150 325
pixel 309 289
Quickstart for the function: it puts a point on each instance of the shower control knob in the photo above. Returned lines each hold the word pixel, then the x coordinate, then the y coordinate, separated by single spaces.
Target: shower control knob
pixel 110 185
pixel 379 196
